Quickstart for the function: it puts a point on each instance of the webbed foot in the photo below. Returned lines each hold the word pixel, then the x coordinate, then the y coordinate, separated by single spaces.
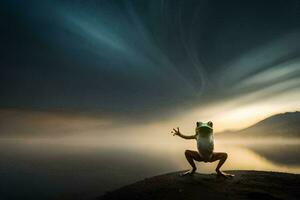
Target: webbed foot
pixel 223 174
pixel 190 172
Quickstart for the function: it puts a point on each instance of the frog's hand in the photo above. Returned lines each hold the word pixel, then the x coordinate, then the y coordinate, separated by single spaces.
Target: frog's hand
pixel 175 132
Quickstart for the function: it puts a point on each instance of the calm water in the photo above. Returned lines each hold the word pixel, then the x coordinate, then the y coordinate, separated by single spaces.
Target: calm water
pixel 84 168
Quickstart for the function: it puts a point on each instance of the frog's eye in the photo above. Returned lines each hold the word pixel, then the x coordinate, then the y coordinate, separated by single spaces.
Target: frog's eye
pixel 210 124
pixel 199 124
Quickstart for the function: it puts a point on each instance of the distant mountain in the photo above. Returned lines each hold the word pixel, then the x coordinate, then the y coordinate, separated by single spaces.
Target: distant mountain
pixel 280 125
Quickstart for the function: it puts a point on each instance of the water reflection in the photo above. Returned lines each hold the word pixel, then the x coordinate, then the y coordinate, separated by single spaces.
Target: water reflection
pixel 281 154
pixel 263 157
pixel 87 168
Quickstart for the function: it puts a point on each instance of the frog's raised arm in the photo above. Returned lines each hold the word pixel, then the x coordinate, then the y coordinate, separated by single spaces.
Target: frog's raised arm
pixel 177 132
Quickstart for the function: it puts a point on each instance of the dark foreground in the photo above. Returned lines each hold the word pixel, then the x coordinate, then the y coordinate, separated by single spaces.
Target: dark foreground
pixel 245 185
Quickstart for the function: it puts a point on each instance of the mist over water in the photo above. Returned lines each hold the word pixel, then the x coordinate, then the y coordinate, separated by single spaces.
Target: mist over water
pixel 77 167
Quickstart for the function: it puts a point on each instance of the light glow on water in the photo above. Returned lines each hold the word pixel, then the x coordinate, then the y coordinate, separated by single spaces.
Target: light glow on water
pixel 242 154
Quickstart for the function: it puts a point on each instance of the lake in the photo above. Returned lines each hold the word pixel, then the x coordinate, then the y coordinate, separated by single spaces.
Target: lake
pixel 88 167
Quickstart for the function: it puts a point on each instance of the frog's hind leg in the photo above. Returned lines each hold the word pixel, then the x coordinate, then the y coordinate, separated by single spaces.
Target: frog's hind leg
pixel 222 157
pixel 191 156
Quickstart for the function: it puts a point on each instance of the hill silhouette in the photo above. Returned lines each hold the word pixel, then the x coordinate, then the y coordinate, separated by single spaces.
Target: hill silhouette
pixel 285 125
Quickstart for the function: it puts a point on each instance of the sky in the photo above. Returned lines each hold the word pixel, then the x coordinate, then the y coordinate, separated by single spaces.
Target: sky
pixel 153 63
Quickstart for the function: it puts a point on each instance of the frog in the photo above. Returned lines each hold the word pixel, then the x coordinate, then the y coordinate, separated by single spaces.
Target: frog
pixel 204 137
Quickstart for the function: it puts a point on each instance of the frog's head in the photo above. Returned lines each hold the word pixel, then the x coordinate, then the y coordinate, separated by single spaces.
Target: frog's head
pixel 204 127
